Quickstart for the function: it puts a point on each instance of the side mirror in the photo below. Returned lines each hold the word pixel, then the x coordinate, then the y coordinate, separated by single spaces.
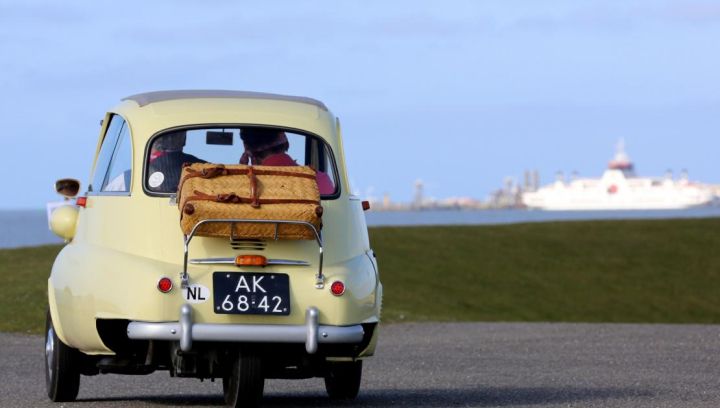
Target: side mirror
pixel 68 188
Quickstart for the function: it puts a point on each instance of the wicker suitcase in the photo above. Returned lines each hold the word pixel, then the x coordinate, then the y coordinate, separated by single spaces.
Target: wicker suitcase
pixel 216 191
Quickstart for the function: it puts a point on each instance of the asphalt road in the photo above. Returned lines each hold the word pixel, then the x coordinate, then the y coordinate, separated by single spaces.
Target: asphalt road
pixel 445 365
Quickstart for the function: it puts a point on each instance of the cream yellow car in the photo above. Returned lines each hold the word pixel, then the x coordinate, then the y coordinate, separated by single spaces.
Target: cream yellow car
pixel 131 294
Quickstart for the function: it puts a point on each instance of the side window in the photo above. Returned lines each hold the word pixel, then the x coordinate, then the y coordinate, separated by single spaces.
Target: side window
pixel 106 151
pixel 327 166
pixel 110 149
pixel 318 156
pixel 118 177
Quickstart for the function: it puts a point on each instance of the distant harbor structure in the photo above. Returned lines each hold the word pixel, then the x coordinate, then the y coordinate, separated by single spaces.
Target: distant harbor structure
pixel 510 195
pixel 422 202
pixel 418 200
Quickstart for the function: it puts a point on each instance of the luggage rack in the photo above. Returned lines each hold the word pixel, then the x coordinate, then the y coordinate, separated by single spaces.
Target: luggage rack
pixel 319 278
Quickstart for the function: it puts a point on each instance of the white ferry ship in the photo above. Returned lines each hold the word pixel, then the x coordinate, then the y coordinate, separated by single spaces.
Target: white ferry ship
pixel 620 189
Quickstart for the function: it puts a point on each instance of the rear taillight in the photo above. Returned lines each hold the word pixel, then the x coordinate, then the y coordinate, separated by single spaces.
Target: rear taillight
pixel 165 284
pixel 81 201
pixel 337 288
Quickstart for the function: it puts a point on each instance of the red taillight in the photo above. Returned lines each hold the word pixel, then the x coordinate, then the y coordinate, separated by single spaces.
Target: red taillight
pixel 165 285
pixel 366 205
pixel 81 201
pixel 337 288
pixel 250 260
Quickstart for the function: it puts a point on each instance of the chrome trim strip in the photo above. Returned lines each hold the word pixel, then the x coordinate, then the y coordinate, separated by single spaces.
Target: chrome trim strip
pixel 107 193
pixel 174 331
pixel 287 262
pixel 231 261
pixel 206 261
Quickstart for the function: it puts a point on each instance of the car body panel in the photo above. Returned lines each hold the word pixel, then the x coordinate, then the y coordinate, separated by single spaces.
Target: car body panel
pixel 125 242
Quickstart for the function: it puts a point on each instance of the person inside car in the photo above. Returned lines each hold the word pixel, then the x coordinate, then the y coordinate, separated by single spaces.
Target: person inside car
pixel 268 147
pixel 166 160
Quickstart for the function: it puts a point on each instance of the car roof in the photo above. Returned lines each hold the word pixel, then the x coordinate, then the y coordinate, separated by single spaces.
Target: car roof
pixel 150 113
pixel 148 98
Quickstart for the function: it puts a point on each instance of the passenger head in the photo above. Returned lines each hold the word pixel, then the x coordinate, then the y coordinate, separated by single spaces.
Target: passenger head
pixel 261 143
pixel 170 142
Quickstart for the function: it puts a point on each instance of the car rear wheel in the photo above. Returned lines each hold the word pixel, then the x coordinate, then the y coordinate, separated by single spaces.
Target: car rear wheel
pixel 244 386
pixel 62 371
pixel 342 380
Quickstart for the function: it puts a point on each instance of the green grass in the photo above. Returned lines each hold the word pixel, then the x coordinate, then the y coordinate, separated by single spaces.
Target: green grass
pixel 604 271
pixel 664 271
pixel 24 273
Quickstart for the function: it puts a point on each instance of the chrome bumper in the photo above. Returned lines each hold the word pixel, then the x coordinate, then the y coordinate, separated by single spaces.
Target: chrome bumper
pixel 185 331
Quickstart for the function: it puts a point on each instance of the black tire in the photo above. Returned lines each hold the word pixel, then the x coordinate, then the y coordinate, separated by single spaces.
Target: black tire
pixel 245 384
pixel 342 380
pixel 62 367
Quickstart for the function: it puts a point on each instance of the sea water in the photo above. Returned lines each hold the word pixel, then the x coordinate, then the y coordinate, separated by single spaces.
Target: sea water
pixel 20 228
pixel 30 227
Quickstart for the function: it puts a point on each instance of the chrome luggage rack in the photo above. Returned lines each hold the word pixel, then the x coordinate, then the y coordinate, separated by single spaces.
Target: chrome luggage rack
pixel 319 278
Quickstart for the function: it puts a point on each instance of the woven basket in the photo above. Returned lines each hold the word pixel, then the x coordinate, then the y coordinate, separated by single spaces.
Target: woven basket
pixel 213 191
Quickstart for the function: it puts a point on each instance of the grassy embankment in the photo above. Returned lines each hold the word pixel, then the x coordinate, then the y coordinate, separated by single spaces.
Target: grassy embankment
pixel 609 271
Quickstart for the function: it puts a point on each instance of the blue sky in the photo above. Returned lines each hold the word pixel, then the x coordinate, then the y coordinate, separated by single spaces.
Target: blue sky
pixel 459 94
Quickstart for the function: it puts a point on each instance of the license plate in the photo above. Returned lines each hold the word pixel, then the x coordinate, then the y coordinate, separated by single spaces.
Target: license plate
pixel 251 293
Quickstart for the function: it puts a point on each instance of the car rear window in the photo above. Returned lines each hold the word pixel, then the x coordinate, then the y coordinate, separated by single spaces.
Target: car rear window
pixel 236 145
